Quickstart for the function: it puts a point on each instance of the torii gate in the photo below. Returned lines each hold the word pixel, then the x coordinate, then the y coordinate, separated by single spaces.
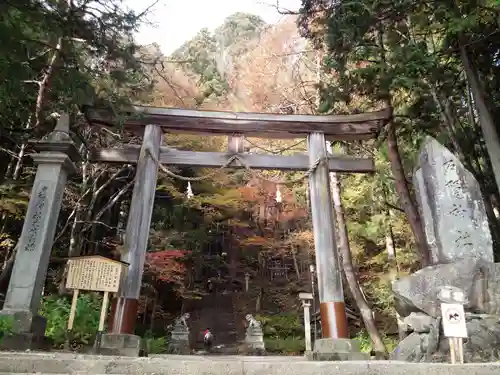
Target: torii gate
pixel 57 154
pixel 154 121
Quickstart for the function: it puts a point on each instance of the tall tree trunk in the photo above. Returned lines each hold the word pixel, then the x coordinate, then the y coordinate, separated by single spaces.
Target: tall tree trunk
pixel 405 197
pixel 485 117
pixel 74 241
pixel 350 274
pixel 296 263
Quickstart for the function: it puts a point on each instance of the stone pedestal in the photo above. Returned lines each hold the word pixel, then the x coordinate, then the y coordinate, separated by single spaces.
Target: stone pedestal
pixel 254 341
pixel 29 331
pixel 338 350
pixel 55 161
pixel 120 344
pixel 180 340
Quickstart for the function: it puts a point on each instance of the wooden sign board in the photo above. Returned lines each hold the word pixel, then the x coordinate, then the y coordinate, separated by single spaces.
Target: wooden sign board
pixel 95 273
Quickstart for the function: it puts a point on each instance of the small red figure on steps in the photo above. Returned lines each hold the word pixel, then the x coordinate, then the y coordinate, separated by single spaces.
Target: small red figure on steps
pixel 207 339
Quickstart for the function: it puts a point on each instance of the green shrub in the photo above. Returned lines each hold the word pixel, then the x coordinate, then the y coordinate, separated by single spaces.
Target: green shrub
pixel 288 345
pixel 56 310
pixel 6 326
pixel 281 326
pixel 366 343
pixel 158 345
pixel 283 333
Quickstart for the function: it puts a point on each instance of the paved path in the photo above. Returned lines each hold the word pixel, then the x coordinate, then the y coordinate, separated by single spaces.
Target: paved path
pixel 66 363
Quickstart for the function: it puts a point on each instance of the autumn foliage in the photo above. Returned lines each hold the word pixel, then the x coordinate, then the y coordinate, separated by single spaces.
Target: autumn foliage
pixel 167 265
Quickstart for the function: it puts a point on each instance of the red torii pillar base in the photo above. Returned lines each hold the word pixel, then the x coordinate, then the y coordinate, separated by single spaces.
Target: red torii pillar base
pixel 121 340
pixel 127 315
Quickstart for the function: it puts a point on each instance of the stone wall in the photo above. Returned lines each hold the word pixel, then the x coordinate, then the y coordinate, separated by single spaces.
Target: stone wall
pixel 25 363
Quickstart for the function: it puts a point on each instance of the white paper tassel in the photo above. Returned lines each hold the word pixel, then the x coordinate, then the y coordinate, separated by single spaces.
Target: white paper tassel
pixel 278 194
pixel 189 191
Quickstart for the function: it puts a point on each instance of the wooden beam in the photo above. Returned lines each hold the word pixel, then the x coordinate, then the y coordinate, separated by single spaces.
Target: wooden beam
pixel 171 156
pixel 335 127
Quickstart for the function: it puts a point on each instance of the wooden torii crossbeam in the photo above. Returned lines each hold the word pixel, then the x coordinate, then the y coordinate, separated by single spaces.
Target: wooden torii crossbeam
pixel 174 120
pixel 172 156
pixel 153 122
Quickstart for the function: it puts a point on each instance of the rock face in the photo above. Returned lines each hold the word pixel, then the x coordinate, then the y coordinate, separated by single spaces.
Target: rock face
pixel 483 344
pixel 420 322
pixel 419 291
pixel 451 206
pixel 492 300
pixel 419 307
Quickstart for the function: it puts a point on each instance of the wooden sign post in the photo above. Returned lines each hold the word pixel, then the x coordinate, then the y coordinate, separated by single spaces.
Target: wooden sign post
pixel 97 274
pixel 454 325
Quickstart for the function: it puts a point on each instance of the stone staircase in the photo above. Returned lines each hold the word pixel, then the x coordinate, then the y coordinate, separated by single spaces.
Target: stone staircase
pixel 216 312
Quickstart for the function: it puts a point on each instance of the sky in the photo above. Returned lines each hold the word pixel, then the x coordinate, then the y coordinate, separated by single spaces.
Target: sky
pixel 175 21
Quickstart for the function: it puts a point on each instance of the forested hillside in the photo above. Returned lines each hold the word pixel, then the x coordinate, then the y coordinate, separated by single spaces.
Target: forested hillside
pixel 434 62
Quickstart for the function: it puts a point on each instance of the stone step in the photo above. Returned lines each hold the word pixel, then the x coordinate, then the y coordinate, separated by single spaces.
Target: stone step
pixel 59 364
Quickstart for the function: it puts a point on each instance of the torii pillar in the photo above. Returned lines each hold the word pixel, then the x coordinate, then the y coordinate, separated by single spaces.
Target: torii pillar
pixel 120 339
pixel 335 344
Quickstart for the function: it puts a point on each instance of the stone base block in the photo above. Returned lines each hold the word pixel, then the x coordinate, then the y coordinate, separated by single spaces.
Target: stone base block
pixel 251 351
pixel 26 341
pixel 178 346
pixel 25 322
pixel 338 350
pixel 308 354
pixel 255 340
pixel 120 344
pixel 28 331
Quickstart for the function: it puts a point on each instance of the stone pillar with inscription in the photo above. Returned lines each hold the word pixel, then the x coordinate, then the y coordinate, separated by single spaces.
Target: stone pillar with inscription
pixel 55 157
pixel 451 206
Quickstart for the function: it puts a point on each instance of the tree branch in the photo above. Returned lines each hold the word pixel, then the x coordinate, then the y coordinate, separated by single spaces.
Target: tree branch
pixel 394 207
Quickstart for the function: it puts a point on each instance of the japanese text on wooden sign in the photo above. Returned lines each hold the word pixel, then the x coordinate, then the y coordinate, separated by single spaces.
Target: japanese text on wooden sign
pixel 94 273
pixel 453 320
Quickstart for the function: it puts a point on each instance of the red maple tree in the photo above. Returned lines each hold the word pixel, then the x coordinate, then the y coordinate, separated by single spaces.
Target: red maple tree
pixel 167 265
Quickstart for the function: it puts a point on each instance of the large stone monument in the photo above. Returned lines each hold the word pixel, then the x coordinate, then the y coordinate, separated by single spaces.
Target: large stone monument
pixel 55 157
pixel 457 231
pixel 254 337
pixel 180 335
pixel 451 206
